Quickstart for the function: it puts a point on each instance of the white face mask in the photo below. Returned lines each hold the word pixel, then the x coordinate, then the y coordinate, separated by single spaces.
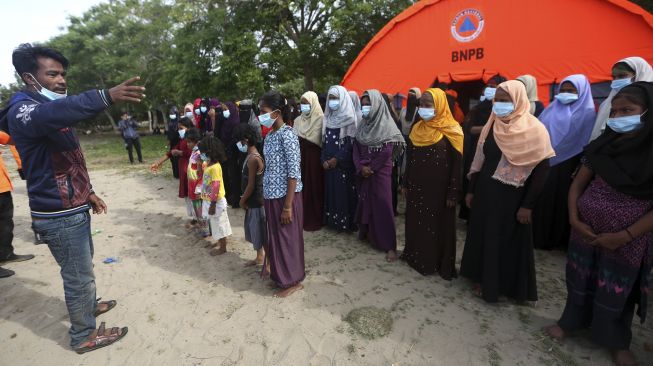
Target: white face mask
pixel 48 93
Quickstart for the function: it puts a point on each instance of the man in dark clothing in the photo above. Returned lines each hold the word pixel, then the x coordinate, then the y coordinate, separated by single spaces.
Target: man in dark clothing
pixel 129 129
pixel 40 120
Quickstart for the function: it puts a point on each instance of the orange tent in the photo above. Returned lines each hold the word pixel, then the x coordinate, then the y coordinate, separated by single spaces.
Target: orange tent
pixel 463 41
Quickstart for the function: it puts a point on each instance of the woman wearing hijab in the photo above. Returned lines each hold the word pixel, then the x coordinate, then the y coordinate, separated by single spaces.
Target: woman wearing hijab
pixel 338 133
pixel 624 72
pixel 247 114
pixel 308 127
pixel 536 107
pixel 408 115
pixel 569 119
pixel 506 178
pixel 378 143
pixel 197 117
pixel 357 106
pixel 172 134
pixel 228 115
pixel 610 253
pixel 396 158
pixel 433 171
pixel 476 119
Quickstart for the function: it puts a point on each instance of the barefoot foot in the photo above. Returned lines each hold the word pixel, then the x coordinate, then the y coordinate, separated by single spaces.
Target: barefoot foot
pixel 217 251
pixel 288 291
pixel 391 256
pixel 555 332
pixel 624 358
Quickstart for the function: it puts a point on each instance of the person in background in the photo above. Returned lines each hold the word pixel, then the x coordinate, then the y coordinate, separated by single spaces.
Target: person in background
pixel 507 176
pixel 355 99
pixel 188 113
pixel 172 134
pixel 432 186
pixel 624 72
pixel 7 254
pixel 476 119
pixel 282 187
pixel 394 187
pixel 398 102
pixel 232 168
pixel 378 142
pixel 294 111
pixel 408 115
pixel 610 253
pixel 338 133
pixel 247 114
pixel 194 173
pixel 200 110
pixel 531 90
pixel 569 120
pixel 129 129
pixel 452 100
pixel 308 127
pixel 252 187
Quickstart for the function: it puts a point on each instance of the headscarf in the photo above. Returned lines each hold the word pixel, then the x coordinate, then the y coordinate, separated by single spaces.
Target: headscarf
pixel 643 72
pixel 357 106
pixel 309 126
pixel 379 128
pixel 531 90
pixel 247 115
pixel 426 133
pixel 408 117
pixel 229 124
pixel 624 162
pixel 521 137
pixel 344 117
pixel 570 125
pixel 196 117
pixel 189 108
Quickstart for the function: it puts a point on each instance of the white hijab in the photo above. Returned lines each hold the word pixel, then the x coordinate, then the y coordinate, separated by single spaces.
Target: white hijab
pixel 344 117
pixel 643 72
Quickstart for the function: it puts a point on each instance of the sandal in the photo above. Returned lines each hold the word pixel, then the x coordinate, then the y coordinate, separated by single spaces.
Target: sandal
pixel 110 305
pixel 99 339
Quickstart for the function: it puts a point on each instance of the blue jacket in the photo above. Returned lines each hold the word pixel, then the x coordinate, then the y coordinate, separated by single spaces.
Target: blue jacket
pixel 58 184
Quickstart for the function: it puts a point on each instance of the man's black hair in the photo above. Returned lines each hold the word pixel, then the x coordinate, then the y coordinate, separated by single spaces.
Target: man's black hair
pixel 25 58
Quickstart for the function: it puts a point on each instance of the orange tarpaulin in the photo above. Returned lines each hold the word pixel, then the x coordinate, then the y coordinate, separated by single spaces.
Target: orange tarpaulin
pixel 466 40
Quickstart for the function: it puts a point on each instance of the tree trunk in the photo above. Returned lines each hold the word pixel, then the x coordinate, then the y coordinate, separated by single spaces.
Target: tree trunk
pixel 149 119
pixel 111 120
pixel 308 77
pixel 155 119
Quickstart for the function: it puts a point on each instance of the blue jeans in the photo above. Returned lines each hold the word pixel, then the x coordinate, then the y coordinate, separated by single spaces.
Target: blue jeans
pixel 71 245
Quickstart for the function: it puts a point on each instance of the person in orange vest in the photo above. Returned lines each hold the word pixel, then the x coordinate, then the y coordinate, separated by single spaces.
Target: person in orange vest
pixel 7 254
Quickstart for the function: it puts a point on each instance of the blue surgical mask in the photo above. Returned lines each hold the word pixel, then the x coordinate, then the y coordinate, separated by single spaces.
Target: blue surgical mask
pixel 503 109
pixel 482 98
pixel 47 92
pixel 626 124
pixel 366 109
pixel 426 114
pixel 197 111
pixel 204 157
pixel 489 93
pixel 566 98
pixel 226 114
pixel 334 104
pixel 189 114
pixel 182 133
pixel 305 108
pixel 196 148
pixel 620 83
pixel 173 116
pixel 203 109
pixel 266 120
pixel 241 147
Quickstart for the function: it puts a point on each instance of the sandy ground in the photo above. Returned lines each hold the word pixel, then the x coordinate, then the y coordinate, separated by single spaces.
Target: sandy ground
pixel 184 307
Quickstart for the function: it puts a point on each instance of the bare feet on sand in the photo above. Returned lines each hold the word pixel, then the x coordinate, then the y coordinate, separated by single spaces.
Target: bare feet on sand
pixel 288 291
pixel 554 331
pixel 218 251
pixel 391 256
pixel 624 358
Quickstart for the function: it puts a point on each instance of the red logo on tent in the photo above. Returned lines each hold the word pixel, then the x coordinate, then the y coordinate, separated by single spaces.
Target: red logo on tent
pixel 467 25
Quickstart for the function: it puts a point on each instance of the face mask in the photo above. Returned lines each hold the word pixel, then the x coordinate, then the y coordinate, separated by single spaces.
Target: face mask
pixel 366 110
pixel 173 116
pixel 620 83
pixel 203 109
pixel 226 114
pixel 241 147
pixel 503 109
pixel 189 114
pixel 334 104
pixel 204 157
pixel 195 148
pixel 566 98
pixel 306 108
pixel 197 111
pixel 482 98
pixel 626 124
pixel 266 120
pixel 182 133
pixel 426 114
pixel 48 93
pixel 489 93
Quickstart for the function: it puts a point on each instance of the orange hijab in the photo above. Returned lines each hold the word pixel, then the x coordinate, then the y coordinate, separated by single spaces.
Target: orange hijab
pixel 523 140
pixel 427 133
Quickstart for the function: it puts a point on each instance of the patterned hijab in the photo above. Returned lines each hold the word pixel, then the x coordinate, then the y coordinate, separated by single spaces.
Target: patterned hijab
pixel 531 90
pixel 309 126
pixel 379 129
pixel 344 117
pixel 523 140
pixel 427 133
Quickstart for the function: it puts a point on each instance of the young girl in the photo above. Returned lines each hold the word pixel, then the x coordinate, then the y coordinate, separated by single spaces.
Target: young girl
pixel 214 205
pixel 252 186
pixel 194 173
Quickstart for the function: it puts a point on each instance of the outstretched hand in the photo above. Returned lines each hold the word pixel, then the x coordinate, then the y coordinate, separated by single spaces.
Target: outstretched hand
pixel 126 92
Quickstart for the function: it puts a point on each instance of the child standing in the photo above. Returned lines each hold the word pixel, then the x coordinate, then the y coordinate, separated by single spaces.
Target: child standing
pixel 252 187
pixel 194 173
pixel 214 205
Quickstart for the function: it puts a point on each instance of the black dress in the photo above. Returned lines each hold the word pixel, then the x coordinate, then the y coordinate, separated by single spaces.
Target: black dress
pixel 551 214
pixel 498 250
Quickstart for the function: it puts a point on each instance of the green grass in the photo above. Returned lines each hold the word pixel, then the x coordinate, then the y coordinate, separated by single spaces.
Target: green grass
pixel 107 151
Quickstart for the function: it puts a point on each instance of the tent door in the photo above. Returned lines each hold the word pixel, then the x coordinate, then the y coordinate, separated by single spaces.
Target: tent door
pixel 468 93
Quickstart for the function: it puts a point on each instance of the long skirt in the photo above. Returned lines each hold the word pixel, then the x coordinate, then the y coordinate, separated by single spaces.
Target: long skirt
pixel 285 248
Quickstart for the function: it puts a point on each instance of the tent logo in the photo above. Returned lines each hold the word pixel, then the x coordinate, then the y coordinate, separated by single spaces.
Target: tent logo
pixel 467 25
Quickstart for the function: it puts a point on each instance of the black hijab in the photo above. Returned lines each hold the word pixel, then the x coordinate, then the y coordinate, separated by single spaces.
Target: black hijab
pixel 626 162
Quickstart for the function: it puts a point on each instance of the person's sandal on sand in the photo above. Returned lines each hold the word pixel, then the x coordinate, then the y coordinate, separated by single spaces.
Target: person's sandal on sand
pixel 101 338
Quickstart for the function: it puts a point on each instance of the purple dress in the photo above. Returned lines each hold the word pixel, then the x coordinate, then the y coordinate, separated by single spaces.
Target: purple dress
pixel 375 214
pixel 603 286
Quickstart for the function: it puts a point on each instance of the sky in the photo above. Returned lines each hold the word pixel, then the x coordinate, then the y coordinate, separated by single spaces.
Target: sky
pixel 30 22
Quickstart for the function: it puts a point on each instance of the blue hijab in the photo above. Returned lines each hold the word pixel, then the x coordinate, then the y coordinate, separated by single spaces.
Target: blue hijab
pixel 570 125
